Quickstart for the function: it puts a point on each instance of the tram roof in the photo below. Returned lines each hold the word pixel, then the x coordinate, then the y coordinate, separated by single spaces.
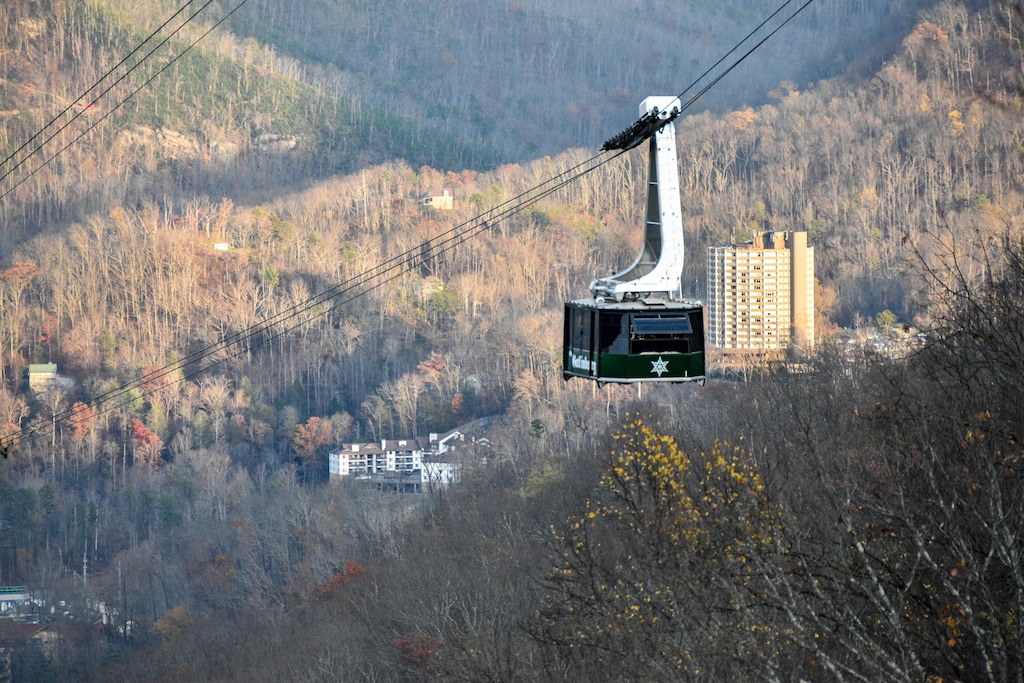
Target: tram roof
pixel 641 305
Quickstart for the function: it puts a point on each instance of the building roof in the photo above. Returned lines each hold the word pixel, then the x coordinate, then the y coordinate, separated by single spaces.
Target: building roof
pixel 360 449
pixel 40 368
pixel 414 444
pixel 14 631
pixel 445 436
pixel 409 445
pixel 78 630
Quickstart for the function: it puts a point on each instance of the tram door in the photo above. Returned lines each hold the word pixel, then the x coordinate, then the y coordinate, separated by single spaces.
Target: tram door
pixel 578 357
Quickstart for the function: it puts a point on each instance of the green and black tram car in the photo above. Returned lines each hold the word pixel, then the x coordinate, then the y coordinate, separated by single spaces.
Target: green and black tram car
pixel 633 341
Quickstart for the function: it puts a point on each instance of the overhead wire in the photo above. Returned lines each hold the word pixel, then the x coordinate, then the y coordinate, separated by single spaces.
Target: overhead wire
pixel 702 91
pixel 95 85
pixel 652 121
pixel 270 329
pixel 117 106
pixel 358 285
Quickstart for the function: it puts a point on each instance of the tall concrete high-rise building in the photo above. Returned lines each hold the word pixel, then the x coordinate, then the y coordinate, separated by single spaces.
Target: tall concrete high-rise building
pixel 761 294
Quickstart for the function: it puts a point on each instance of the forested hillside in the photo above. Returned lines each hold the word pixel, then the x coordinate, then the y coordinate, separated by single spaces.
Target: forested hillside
pixel 295 92
pixel 859 521
pixel 227 117
pixel 534 78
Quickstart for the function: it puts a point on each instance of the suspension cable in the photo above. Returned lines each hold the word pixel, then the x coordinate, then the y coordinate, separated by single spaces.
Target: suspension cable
pixel 117 106
pixel 95 85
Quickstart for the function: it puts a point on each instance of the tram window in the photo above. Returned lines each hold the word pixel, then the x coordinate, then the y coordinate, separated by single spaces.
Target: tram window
pixel 581 322
pixel 675 344
pixel 661 334
pixel 614 332
pixel 659 325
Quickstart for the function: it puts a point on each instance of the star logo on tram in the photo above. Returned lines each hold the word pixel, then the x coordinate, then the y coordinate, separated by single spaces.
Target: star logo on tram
pixel 659 366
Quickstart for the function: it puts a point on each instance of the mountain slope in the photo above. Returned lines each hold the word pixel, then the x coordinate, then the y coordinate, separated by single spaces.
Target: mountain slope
pixel 222 118
pixel 534 78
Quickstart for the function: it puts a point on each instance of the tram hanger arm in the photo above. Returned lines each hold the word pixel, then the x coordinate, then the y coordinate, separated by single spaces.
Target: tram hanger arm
pixel 646 126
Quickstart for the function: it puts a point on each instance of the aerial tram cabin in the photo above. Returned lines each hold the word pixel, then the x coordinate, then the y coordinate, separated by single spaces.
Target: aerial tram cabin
pixel 637 327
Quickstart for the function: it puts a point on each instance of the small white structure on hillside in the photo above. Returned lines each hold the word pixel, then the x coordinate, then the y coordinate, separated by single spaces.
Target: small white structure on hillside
pixel 43 377
pixel 440 199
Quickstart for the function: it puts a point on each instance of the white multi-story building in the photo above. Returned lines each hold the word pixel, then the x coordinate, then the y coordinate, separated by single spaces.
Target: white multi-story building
pixel 415 461
pixel 761 294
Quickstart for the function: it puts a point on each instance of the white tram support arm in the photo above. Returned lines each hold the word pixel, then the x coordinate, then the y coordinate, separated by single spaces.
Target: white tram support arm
pixel 659 267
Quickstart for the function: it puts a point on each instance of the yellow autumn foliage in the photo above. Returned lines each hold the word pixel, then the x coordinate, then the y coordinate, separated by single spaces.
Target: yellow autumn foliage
pixel 665 532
